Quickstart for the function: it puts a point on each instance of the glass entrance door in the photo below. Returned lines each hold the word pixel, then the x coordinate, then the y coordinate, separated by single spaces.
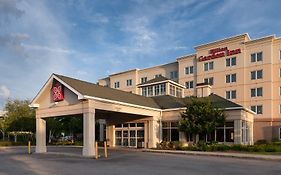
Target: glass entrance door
pixel 129 135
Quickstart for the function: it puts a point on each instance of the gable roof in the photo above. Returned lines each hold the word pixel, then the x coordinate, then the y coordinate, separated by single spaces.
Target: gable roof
pixel 87 89
pixel 94 90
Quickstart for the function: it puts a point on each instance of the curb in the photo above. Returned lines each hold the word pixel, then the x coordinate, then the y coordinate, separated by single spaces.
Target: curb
pixel 218 154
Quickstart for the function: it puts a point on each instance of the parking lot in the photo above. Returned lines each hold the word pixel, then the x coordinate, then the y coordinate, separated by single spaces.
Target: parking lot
pixel 68 161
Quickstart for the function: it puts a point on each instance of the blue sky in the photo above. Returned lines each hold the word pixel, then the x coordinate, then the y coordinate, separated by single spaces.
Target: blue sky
pixel 91 39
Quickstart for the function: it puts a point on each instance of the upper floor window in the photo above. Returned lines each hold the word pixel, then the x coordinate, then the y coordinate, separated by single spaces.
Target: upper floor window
pixel 255 57
pixel 208 66
pixel 257 74
pixel 157 75
pixel 280 73
pixel 230 94
pixel 129 82
pixel 189 84
pixel 117 84
pixel 257 109
pixel 209 81
pixel 143 80
pixel 189 70
pixel 230 78
pixel 280 90
pixel 174 75
pixel 256 92
pixel 230 62
pixel 280 54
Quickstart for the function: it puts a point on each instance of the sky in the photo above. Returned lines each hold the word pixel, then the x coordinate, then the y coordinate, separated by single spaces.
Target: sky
pixel 90 39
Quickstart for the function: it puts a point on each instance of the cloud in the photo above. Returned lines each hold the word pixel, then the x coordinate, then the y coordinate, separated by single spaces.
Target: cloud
pixel 4 92
pixel 8 10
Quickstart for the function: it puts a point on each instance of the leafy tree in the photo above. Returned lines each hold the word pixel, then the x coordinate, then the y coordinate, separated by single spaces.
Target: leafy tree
pixel 19 117
pixel 201 117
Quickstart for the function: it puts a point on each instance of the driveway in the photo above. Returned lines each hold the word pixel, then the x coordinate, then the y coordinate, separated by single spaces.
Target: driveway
pixel 67 160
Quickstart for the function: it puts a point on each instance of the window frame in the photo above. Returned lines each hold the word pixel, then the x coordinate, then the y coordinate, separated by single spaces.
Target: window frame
pixel 117 84
pixel 232 78
pixel 230 62
pixel 232 94
pixel 255 57
pixel 209 66
pixel 129 82
pixel 189 84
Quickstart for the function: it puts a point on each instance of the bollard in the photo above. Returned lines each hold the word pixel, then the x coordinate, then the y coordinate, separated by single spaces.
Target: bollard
pixel 29 147
pixel 105 150
pixel 97 151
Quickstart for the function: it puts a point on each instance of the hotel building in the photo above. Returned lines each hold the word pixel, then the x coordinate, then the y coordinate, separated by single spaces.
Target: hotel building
pixel 243 70
pixel 141 107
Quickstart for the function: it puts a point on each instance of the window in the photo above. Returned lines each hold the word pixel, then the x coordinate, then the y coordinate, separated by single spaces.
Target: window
pixel 257 109
pixel 280 90
pixel 170 131
pixel 149 91
pixel 156 90
pixel 280 73
pixel 209 81
pixel 231 78
pixel 280 133
pixel 230 62
pixel 174 75
pixel 189 70
pixel 257 74
pixel 256 92
pixel 178 92
pixel 230 94
pixel 143 80
pixel 157 75
pixel 189 84
pixel 162 89
pixel 255 57
pixel 117 84
pixel 280 54
pixel 129 82
pixel 144 91
pixel 172 90
pixel 208 66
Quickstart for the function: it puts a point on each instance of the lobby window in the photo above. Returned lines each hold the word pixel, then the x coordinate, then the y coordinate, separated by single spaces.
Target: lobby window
pixel 230 62
pixel 208 66
pixel 209 81
pixel 143 80
pixel 257 109
pixel 257 74
pixel 170 131
pixel 225 133
pixel 230 78
pixel 117 84
pixel 189 84
pixel 129 82
pixel 189 70
pixel 256 92
pixel 230 94
pixel 174 75
pixel 157 75
pixel 255 57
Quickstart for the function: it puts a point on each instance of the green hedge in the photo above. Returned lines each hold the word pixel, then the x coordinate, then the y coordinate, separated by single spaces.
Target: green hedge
pixel 202 146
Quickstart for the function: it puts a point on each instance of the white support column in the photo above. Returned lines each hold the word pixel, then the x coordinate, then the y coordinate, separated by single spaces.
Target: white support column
pixel 89 134
pixel 237 132
pixel 40 136
pixel 153 135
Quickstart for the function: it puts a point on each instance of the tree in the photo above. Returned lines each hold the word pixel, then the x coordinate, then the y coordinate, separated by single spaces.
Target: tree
pixel 19 117
pixel 201 117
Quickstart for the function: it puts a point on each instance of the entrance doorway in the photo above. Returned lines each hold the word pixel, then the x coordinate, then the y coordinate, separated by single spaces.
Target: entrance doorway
pixel 130 135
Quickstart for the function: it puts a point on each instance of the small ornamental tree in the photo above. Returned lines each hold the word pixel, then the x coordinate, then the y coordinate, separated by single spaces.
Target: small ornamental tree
pixel 201 117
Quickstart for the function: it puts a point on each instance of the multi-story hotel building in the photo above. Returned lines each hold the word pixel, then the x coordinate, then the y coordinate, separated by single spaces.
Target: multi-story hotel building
pixel 244 70
pixel 141 107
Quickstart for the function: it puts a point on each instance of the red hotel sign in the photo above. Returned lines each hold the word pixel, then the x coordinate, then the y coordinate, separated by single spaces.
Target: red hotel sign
pixel 219 52
pixel 58 92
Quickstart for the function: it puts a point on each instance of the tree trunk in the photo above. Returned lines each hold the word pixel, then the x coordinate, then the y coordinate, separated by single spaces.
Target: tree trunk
pixel 50 135
pixel 3 136
pixel 206 137
pixel 15 138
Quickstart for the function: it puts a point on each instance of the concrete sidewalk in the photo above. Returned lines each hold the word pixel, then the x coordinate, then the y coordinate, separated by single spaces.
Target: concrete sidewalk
pixel 218 154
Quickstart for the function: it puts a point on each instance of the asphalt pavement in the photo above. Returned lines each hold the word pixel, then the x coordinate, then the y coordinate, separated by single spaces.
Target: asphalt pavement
pixel 68 161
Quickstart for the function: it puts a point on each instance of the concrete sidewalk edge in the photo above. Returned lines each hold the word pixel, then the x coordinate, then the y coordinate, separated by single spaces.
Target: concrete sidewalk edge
pixel 218 154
